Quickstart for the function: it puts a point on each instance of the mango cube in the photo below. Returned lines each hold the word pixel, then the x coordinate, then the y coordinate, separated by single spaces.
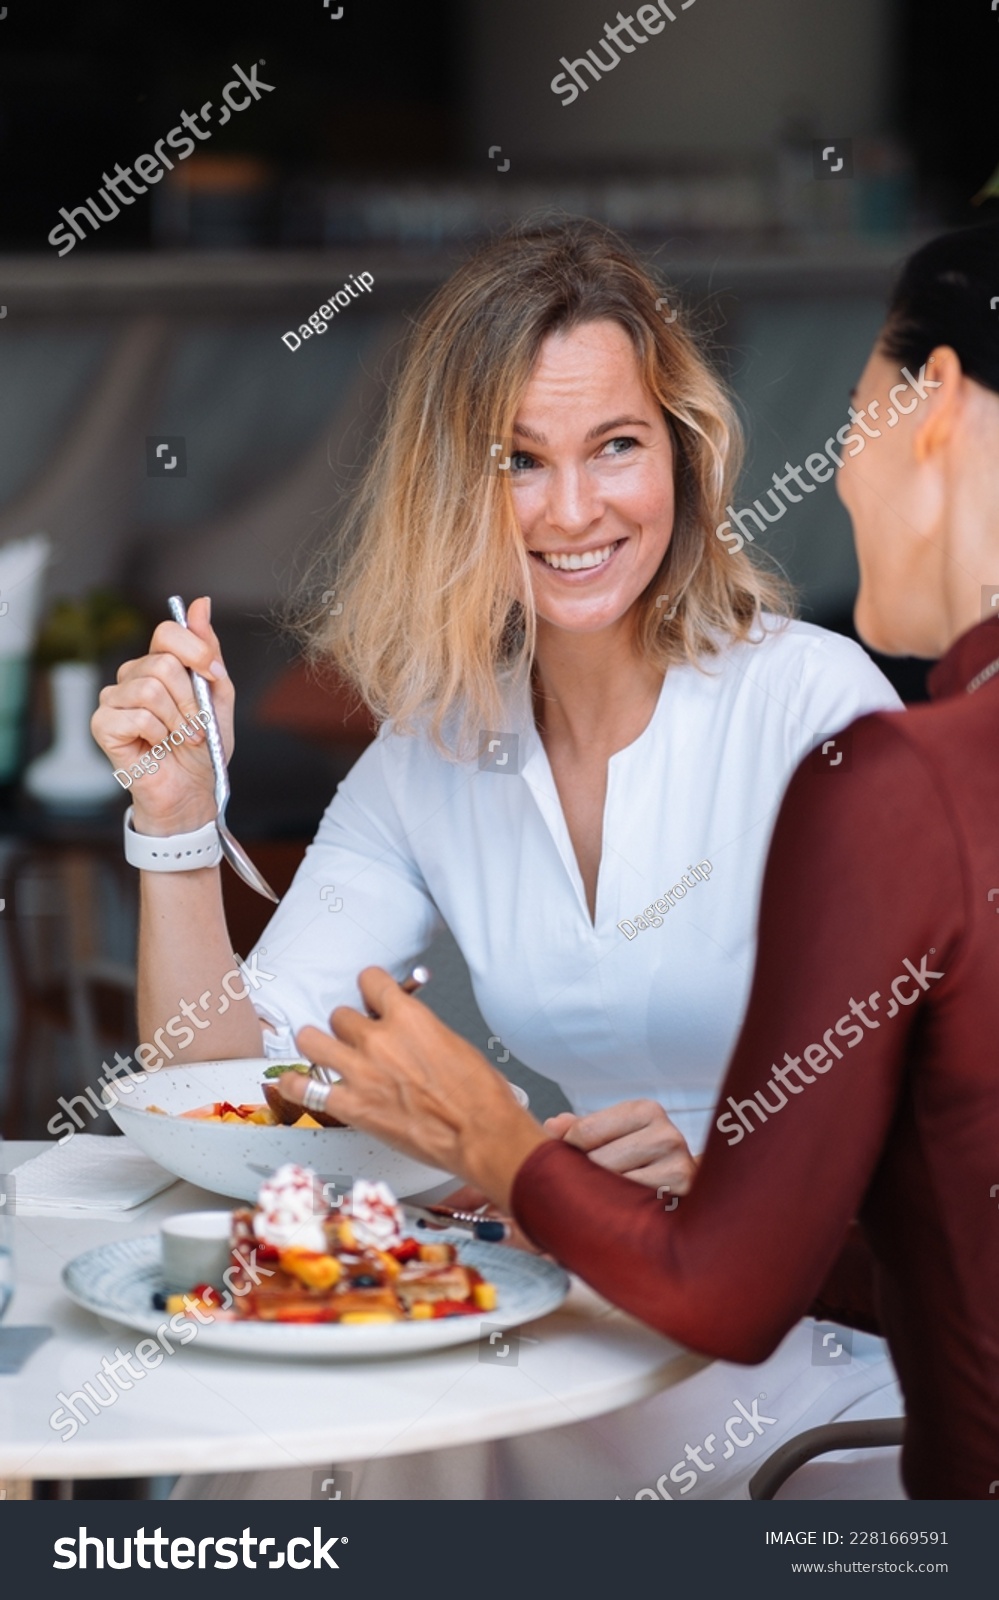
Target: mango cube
pixel 314 1270
pixel 437 1255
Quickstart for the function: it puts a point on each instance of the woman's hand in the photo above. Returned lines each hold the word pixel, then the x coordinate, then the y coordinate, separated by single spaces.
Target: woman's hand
pixel 635 1138
pixel 409 1080
pixel 153 698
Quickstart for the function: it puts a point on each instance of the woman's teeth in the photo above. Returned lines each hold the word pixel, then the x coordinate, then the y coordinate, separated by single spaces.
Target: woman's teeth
pixel 573 563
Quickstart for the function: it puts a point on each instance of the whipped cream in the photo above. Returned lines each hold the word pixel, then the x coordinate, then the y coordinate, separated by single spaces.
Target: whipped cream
pixel 291 1210
pixel 376 1215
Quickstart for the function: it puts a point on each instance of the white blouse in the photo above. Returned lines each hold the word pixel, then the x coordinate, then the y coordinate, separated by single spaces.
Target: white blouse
pixel 639 1002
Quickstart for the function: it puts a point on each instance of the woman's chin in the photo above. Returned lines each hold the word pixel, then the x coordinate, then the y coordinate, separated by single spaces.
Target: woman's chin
pixel 894 637
pixel 583 617
pixel 876 631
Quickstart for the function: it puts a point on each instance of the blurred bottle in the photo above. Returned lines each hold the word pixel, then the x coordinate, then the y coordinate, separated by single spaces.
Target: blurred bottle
pixel 216 203
pixel 883 187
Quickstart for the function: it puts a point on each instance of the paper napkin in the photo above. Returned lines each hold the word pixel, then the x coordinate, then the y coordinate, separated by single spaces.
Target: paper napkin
pixel 89 1173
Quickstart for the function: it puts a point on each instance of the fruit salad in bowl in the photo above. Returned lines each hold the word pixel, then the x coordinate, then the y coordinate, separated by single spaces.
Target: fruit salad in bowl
pixel 212 1123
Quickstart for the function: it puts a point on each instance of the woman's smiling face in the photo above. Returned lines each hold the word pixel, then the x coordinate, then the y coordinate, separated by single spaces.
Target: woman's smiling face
pixel 592 475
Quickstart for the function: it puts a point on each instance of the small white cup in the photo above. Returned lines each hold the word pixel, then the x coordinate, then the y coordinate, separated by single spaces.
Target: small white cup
pixel 194 1248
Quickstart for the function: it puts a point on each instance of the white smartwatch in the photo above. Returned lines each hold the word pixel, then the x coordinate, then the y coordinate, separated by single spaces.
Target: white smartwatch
pixel 180 852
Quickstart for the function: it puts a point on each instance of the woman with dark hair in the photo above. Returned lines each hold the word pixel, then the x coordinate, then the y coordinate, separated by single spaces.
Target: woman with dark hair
pixel 853 1162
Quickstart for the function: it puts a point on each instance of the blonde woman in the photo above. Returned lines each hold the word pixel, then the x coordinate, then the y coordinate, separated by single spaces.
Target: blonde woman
pixel 586 695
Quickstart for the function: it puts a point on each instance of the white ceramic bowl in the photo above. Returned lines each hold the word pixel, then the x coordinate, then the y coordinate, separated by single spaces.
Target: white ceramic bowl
pixel 233 1159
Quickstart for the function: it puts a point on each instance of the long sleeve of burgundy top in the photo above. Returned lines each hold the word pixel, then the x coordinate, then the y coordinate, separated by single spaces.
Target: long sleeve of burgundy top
pixel 864 1085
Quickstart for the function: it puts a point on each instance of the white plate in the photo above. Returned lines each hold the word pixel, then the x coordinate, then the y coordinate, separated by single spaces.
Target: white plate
pixel 118 1281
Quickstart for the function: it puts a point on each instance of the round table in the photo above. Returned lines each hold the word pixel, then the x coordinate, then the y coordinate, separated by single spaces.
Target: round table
pixel 202 1412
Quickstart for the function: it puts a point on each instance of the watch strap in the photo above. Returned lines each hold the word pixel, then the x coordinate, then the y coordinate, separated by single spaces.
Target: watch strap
pixel 178 852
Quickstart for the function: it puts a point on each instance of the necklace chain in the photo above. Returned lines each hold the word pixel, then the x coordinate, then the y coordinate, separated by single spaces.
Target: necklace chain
pixel 983 676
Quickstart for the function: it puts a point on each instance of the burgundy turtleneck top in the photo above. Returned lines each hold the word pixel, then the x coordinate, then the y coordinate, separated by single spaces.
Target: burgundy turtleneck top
pixel 853 1167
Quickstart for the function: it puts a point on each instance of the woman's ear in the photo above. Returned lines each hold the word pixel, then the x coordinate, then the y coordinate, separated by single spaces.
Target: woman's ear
pixel 944 382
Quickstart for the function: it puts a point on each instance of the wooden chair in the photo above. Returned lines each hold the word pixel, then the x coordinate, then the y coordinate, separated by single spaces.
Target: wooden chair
pixel 69 909
pixel 248 913
pixel 70 906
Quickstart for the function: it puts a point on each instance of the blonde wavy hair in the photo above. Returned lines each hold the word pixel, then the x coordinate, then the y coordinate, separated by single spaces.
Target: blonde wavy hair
pixel 431 571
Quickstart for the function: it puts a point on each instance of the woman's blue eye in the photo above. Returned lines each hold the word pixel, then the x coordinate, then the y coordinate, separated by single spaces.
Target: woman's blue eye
pixel 523 461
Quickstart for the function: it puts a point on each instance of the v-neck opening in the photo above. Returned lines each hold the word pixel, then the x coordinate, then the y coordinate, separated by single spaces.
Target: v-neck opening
pixel 549 802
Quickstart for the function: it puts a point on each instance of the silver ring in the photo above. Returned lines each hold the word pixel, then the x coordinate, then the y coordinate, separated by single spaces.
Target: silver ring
pixel 314 1098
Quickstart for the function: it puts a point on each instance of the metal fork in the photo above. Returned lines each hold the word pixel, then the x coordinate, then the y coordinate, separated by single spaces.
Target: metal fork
pixel 417 978
pixel 491 1230
pixel 231 848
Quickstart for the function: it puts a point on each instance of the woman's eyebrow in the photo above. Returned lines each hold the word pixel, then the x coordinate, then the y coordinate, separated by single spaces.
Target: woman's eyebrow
pixel 617 422
pixel 521 431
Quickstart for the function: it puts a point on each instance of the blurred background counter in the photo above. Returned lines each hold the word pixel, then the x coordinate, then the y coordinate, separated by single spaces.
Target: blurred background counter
pixel 157 428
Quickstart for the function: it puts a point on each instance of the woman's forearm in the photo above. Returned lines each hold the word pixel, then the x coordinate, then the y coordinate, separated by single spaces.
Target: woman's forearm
pixel 191 1005
pixel 186 980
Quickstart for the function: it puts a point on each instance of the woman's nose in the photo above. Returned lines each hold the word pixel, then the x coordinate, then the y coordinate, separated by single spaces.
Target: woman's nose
pixel 573 501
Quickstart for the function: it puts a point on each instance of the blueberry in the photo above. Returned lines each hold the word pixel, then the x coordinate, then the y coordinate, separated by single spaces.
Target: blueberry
pixel 159 1301
pixel 365 1280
